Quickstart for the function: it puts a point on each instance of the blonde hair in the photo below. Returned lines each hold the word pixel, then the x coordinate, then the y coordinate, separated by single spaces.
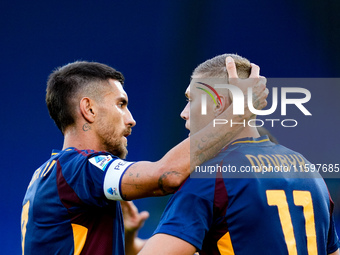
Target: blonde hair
pixel 216 67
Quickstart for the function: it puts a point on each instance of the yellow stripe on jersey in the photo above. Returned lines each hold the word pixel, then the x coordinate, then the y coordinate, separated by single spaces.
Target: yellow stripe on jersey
pixel 55 153
pixel 225 246
pixel 250 141
pixel 79 237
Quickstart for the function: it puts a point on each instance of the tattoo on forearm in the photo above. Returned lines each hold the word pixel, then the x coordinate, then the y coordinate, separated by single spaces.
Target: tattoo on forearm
pixel 86 127
pixel 161 182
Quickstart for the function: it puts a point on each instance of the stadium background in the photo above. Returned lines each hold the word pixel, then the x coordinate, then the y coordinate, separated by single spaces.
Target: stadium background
pixel 156 44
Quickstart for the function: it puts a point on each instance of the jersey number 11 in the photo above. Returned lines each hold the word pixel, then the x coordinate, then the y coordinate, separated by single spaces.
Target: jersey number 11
pixel 301 198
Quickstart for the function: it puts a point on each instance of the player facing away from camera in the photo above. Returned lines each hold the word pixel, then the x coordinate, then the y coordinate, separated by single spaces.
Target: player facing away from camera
pixel 72 202
pixel 248 214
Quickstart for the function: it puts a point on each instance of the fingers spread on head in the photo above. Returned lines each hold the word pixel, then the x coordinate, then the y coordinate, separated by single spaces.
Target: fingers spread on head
pixel 255 71
pixel 231 68
pixel 263 80
pixel 260 83
pixel 264 96
pixel 266 92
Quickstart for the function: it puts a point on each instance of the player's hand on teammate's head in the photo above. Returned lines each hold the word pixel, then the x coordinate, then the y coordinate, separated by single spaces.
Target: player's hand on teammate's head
pixel 255 81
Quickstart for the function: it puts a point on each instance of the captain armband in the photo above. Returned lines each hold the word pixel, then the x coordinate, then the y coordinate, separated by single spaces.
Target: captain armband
pixel 113 178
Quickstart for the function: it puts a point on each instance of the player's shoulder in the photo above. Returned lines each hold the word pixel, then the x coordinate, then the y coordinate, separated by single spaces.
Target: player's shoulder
pixel 72 157
pixel 72 151
pixel 286 149
pixel 258 146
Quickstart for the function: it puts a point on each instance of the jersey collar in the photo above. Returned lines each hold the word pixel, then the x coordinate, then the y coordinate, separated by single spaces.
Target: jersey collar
pixel 251 140
pixel 263 140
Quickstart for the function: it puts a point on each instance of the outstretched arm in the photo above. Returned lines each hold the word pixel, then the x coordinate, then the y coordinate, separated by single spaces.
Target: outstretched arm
pixel 145 179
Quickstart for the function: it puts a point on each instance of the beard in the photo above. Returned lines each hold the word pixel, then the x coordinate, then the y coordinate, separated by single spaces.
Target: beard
pixel 113 140
pixel 115 144
pixel 116 147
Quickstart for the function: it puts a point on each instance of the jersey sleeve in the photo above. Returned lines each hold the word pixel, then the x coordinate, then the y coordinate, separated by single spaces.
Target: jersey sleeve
pixel 113 178
pixel 95 178
pixel 188 216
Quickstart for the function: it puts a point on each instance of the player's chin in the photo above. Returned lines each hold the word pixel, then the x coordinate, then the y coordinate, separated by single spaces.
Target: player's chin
pixel 120 151
pixel 124 152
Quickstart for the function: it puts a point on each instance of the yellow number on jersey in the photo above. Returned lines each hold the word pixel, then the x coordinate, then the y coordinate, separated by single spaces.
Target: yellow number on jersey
pixel 301 198
pixel 24 219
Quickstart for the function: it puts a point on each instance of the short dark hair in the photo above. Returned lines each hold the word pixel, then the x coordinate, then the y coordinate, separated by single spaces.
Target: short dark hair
pixel 67 82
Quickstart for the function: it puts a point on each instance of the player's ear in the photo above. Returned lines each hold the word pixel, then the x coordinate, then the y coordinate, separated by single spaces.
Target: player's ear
pixel 221 106
pixel 87 109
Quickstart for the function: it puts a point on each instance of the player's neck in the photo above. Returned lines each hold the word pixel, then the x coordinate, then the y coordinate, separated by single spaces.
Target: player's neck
pixel 81 139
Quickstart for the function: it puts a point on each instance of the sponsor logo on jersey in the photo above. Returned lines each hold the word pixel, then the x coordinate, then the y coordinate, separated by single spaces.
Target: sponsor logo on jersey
pixel 101 161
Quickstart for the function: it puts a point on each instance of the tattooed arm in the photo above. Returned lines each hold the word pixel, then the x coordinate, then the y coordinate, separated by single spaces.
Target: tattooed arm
pixel 144 179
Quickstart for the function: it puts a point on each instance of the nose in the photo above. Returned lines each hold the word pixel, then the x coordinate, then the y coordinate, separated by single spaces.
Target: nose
pixel 129 120
pixel 185 113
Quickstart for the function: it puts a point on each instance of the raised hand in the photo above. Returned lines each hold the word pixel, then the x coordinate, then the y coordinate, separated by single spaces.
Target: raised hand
pixel 133 221
pixel 256 82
